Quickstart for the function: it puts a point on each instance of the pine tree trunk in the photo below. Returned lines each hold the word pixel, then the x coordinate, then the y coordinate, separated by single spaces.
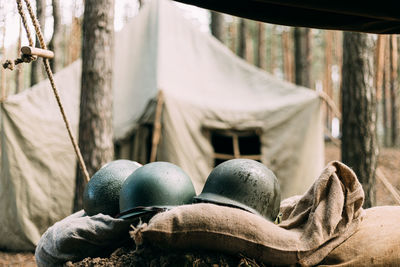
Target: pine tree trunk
pixel 384 109
pixel 385 94
pixel 3 52
pixel 217 25
pixel 19 82
pixel 36 66
pixel 273 50
pixel 359 140
pixel 74 47
pixel 328 75
pixel 261 50
pixel 55 42
pixel 241 36
pixel 302 56
pixel 95 124
pixel 287 57
pixel 249 34
pixel 393 88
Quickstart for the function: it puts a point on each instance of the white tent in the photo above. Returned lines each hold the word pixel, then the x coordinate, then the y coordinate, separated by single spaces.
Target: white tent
pixel 205 87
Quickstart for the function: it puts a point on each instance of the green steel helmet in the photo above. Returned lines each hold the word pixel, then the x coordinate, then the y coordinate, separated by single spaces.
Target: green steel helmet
pixel 245 184
pixel 153 186
pixel 101 193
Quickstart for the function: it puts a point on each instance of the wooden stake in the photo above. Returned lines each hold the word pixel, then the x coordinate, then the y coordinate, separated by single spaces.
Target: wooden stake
pixel 157 127
pixel 381 177
pixel 34 51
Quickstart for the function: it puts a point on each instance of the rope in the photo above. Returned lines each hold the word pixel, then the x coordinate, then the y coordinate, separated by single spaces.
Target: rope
pixel 35 23
pixel 51 79
pixel 10 64
pixel 24 22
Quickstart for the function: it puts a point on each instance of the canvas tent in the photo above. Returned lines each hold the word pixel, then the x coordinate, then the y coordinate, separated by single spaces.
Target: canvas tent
pixel 205 87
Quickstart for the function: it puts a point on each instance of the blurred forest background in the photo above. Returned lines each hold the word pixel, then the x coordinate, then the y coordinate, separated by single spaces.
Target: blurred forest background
pixel 308 57
pixel 322 60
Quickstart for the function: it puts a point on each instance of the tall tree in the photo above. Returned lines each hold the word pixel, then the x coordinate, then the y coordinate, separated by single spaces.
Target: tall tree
pixel 95 122
pixel 393 88
pixel 328 75
pixel 3 49
pixel 241 37
pixel 359 141
pixel 217 25
pixel 302 56
pixel 261 60
pixel 385 94
pixel 55 42
pixel 18 74
pixel 36 66
pixel 273 50
pixel 287 56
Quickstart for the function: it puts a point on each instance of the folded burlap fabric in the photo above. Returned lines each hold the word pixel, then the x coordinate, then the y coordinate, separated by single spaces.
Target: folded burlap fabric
pixel 313 224
pixel 376 242
pixel 79 236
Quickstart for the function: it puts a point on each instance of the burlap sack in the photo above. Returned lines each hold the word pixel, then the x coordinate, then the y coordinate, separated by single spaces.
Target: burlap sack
pixel 313 225
pixel 376 242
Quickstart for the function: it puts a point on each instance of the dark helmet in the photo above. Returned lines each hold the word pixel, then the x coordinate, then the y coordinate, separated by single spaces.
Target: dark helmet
pixel 101 193
pixel 155 185
pixel 245 184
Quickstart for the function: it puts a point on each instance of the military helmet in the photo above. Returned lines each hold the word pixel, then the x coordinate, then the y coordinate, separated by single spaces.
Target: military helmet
pixel 101 193
pixel 157 185
pixel 245 184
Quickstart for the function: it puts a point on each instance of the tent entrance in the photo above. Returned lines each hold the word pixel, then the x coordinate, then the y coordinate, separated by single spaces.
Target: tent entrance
pixel 137 146
pixel 233 144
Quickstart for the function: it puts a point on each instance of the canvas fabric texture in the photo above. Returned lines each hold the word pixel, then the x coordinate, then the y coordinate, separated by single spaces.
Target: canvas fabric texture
pixel 313 224
pixel 37 160
pixel 204 85
pixel 79 236
pixel 376 242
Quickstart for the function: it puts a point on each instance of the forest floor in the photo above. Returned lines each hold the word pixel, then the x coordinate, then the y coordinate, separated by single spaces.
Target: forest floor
pixel 388 162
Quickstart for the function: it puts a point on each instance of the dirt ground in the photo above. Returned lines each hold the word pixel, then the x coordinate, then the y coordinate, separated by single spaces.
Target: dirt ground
pixel 389 160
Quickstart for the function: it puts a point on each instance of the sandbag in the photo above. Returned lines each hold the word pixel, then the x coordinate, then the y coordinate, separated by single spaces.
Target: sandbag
pixel 79 236
pixel 314 224
pixel 376 242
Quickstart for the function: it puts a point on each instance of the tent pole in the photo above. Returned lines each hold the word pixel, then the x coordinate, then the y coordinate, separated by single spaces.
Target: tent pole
pixel 157 127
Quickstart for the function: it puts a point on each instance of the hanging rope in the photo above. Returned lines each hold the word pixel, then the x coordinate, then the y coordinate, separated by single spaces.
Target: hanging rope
pixel 10 64
pixel 46 63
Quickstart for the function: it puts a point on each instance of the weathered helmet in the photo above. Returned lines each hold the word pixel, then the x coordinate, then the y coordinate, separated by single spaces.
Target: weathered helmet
pixel 153 186
pixel 245 184
pixel 101 193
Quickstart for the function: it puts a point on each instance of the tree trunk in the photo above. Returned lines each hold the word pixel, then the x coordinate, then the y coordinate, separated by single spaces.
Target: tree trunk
pixel 261 50
pixel 217 25
pixel 328 75
pixel 302 56
pixel 393 88
pixel 55 42
pixel 74 47
pixel 19 82
pixel 36 66
pixel 385 94
pixel 95 124
pixel 359 140
pixel 287 56
pixel 3 54
pixel 249 34
pixel 241 36
pixel 273 49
